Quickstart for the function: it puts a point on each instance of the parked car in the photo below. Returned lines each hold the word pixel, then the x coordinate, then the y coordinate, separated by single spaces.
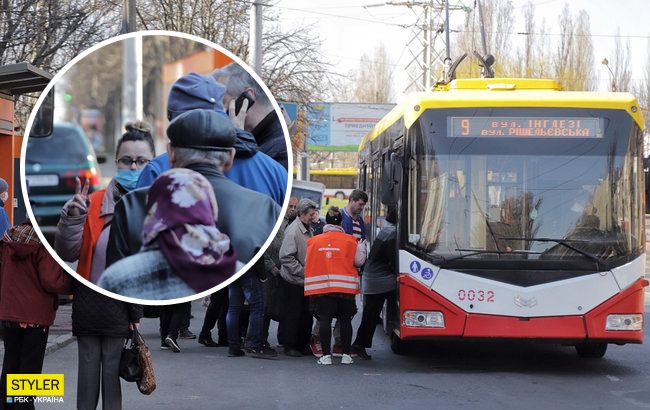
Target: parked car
pixel 51 166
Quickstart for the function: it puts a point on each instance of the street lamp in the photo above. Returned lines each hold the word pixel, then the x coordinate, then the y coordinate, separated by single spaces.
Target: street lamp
pixel 605 62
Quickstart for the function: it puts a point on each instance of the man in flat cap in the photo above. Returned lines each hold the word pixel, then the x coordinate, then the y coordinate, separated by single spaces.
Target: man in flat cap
pixel 202 140
pixel 4 198
pixel 252 168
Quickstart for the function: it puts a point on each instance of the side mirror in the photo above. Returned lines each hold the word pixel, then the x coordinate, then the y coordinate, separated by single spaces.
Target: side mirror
pixel 391 180
pixel 44 120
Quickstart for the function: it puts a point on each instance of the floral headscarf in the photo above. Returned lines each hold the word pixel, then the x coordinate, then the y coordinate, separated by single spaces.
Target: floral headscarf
pixel 181 217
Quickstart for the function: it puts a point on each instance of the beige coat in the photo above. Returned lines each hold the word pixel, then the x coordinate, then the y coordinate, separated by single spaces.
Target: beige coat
pixel 293 252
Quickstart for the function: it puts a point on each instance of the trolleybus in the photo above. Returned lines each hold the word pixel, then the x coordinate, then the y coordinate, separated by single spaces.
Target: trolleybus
pixel 520 213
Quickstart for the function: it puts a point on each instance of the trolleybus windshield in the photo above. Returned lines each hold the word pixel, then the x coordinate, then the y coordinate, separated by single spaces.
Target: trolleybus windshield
pixel 485 183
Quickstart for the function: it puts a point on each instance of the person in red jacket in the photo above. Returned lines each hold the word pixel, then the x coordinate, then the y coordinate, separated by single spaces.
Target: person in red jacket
pixel 332 280
pixel 30 280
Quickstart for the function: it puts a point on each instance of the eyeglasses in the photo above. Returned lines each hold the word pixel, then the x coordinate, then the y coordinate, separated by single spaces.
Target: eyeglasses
pixel 128 161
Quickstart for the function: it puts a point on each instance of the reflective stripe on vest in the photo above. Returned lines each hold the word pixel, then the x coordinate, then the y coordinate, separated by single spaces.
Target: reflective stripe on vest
pixel 329 264
pixel 331 278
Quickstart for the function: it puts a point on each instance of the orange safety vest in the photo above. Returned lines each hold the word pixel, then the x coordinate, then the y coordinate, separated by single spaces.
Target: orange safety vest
pixel 92 229
pixel 329 265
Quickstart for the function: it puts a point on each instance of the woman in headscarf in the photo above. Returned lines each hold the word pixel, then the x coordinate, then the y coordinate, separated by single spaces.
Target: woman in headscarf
pixel 82 232
pixel 183 252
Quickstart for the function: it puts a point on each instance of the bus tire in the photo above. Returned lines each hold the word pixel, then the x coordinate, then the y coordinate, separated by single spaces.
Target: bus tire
pixel 591 350
pixel 397 345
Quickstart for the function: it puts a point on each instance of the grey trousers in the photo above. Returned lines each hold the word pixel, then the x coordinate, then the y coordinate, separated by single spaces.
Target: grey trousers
pixel 99 357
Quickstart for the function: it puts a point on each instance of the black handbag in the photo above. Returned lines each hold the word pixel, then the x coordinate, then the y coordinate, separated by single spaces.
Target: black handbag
pixel 130 367
pixel 277 292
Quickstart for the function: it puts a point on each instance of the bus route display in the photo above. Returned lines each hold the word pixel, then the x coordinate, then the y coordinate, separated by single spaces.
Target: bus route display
pixel 535 127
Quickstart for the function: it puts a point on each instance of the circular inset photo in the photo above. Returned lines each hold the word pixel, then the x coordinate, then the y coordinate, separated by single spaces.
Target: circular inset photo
pixel 164 174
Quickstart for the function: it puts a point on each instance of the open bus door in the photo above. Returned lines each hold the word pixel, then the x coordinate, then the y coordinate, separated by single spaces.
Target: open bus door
pixel 17 79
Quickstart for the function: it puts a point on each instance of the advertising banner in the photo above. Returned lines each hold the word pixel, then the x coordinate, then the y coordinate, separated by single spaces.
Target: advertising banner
pixel 340 126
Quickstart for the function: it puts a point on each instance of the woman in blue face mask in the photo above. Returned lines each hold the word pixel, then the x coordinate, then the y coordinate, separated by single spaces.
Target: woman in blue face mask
pixel 83 228
pixel 82 234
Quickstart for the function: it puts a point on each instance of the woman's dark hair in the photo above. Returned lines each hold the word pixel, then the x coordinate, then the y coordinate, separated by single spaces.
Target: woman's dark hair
pixel 333 216
pixel 137 131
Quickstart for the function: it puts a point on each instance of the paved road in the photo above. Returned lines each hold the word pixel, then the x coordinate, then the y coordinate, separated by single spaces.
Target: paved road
pixel 442 375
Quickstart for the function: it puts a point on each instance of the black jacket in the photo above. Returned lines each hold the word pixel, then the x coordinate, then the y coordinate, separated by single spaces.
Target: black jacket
pixel 245 145
pixel 94 314
pixel 270 138
pixel 248 217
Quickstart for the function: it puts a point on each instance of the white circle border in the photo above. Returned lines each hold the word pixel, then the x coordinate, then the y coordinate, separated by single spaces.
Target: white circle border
pixel 49 87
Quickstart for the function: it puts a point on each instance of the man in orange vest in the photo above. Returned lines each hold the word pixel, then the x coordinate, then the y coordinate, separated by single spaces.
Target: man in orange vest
pixel 332 280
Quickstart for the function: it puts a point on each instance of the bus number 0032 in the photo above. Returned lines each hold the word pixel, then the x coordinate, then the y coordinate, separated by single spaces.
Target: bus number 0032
pixel 476 295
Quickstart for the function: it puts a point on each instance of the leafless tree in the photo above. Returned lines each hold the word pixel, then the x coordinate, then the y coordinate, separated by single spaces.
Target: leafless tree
pixel 498 20
pixel 293 67
pixel 371 82
pixel 574 58
pixel 621 64
pixel 48 34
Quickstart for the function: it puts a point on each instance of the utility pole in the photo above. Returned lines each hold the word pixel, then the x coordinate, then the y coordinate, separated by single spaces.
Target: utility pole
pixel 428 40
pixel 255 35
pixel 131 67
pixel 128 16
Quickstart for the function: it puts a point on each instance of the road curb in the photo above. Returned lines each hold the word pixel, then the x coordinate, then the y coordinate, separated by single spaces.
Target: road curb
pixel 59 342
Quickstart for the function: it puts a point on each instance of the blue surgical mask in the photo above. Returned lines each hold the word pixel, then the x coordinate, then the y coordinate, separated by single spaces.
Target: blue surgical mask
pixel 128 178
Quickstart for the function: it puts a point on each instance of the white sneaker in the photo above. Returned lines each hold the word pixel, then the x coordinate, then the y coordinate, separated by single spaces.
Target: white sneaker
pixel 346 359
pixel 325 360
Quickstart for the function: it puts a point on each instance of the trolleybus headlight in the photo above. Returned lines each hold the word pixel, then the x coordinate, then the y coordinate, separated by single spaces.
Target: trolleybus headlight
pixel 624 322
pixel 419 318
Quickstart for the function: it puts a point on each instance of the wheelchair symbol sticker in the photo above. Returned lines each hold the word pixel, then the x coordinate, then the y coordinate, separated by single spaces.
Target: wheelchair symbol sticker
pixel 427 273
pixel 415 266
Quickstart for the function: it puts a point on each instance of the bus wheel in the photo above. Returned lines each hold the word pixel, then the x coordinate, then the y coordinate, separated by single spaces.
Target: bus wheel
pixel 397 345
pixel 591 350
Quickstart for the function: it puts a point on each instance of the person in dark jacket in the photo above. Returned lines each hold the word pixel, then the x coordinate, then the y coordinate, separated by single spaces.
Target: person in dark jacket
pixel 30 280
pixel 379 283
pixel 261 119
pixel 101 325
pixel 251 168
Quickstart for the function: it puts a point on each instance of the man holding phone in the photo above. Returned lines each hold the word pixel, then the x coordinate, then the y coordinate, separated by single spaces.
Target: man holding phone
pixel 244 93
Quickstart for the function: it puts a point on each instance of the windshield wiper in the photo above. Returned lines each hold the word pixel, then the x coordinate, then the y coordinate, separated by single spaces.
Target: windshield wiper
pixel 564 242
pixel 473 252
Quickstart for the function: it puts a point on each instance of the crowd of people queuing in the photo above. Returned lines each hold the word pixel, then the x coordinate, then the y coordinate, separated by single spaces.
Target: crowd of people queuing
pixel 177 224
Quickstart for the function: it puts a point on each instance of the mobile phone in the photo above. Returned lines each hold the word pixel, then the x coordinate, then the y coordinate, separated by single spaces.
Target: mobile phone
pixel 240 101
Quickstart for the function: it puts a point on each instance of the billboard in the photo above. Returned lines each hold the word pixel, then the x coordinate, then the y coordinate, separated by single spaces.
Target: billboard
pixel 341 126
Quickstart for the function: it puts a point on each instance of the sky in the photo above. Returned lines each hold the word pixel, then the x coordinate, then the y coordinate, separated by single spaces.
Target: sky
pixel 348 29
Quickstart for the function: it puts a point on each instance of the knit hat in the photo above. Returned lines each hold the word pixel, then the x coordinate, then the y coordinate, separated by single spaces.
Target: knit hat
pixel 193 91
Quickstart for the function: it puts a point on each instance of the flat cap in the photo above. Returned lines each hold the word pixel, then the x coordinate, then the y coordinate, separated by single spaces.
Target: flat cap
pixel 193 91
pixel 203 130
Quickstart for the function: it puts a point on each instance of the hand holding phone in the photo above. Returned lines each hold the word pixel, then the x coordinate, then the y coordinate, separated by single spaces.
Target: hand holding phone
pixel 239 108
pixel 240 102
